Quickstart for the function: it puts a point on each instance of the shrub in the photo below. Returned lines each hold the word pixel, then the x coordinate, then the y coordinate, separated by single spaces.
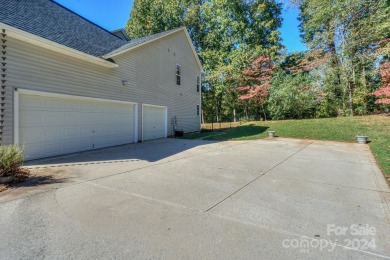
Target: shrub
pixel 11 159
pixel 291 96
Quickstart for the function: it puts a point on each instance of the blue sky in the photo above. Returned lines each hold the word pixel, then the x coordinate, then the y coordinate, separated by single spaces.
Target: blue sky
pixel 113 15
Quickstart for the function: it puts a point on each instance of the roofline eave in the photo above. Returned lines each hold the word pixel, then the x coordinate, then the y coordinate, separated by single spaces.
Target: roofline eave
pixel 24 36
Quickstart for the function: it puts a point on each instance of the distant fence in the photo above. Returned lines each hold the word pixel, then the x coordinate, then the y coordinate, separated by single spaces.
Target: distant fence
pixel 219 126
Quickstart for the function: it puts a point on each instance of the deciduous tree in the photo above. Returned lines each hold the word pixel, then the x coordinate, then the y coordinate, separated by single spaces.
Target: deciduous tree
pixel 384 92
pixel 257 80
pixel 348 30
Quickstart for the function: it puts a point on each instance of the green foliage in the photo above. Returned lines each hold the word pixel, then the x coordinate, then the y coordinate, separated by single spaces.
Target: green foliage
pixel 151 16
pixel 11 158
pixel 326 106
pixel 349 31
pixel 291 96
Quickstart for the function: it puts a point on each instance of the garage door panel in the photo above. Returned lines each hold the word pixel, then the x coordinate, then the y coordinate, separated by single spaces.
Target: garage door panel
pixel 51 126
pixel 154 135
pixel 36 149
pixel 52 134
pixel 112 140
pixel 85 118
pixel 76 146
pixel 86 106
pixel 36 102
pixel 54 104
pixel 31 133
pixel 119 131
pixel 71 105
pixel 101 132
pixel 53 148
pixel 71 118
pixel 86 131
pixel 117 118
pixel 53 118
pixel 154 122
pixel 71 132
pixel 151 122
pixel 31 118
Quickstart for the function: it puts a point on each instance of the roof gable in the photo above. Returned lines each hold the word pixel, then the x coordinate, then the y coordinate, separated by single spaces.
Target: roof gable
pixel 149 39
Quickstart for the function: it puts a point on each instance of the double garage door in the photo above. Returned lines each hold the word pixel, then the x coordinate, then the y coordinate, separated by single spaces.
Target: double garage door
pixel 50 125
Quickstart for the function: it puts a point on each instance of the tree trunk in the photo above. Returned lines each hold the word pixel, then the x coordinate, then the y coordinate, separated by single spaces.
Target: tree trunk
pixel 364 83
pixel 332 49
pixel 265 116
pixel 352 86
pixel 350 96
pixel 234 115
pixel 217 110
pixel 344 106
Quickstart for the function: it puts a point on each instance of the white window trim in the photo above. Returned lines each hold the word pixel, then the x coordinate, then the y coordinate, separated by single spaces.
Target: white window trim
pixel 198 90
pixel 16 117
pixel 178 74
pixel 200 102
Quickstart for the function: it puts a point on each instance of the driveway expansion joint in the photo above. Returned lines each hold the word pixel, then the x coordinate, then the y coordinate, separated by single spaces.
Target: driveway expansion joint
pixel 258 177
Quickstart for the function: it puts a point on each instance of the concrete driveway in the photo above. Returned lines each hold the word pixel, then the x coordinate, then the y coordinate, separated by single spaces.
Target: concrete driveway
pixel 176 199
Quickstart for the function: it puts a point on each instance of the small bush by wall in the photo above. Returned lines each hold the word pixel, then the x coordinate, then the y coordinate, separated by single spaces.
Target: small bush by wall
pixel 11 159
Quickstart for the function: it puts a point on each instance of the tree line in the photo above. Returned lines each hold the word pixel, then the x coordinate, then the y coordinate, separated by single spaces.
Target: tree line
pixel 249 75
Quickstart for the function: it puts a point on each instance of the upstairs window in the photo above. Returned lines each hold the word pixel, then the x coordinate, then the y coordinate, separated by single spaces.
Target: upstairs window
pixel 178 74
pixel 197 110
pixel 197 83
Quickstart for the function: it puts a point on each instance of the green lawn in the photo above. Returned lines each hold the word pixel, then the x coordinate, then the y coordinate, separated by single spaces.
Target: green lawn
pixel 336 129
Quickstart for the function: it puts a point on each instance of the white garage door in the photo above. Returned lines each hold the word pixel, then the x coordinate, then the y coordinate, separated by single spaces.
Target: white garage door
pixel 154 122
pixel 55 125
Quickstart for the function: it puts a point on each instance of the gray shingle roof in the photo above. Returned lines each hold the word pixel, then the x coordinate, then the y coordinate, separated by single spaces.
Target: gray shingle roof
pixel 50 20
pixel 54 22
pixel 139 41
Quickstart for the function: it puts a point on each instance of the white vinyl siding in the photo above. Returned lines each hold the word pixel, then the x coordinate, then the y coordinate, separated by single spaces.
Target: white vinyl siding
pixel 148 69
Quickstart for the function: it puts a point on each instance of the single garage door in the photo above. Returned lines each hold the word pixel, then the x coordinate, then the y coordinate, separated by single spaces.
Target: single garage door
pixel 50 125
pixel 154 122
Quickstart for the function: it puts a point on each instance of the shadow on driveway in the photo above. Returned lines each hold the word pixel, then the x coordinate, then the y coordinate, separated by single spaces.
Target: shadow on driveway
pixel 27 180
pixel 150 151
